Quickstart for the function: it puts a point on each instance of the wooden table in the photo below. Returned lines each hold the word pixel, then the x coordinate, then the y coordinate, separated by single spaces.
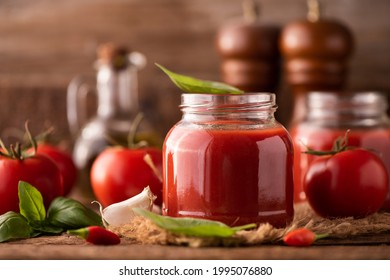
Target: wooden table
pixel 67 247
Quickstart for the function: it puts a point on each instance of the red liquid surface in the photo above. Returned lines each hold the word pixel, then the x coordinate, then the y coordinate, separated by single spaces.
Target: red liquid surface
pixel 233 176
pixel 322 139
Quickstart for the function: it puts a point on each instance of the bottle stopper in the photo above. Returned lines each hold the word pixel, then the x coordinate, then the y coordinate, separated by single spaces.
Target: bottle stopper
pixel 114 55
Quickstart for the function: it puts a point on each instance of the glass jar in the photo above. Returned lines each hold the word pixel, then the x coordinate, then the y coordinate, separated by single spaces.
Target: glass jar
pixel 229 160
pixel 329 116
pixel 117 108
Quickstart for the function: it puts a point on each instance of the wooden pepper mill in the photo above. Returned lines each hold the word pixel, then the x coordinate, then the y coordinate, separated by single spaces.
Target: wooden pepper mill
pixel 315 53
pixel 249 52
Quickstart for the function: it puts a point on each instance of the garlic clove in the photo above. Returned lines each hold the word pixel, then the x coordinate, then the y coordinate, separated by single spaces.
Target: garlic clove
pixel 156 209
pixel 122 212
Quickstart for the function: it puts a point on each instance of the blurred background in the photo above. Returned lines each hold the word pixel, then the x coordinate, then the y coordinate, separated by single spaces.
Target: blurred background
pixel 45 43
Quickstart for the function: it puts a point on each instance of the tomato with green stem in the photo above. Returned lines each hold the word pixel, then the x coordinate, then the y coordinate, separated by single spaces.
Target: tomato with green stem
pixel 119 173
pixel 46 146
pixel 17 164
pixel 346 182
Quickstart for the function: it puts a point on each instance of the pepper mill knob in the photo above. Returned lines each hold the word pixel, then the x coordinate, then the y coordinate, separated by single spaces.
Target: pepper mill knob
pixel 315 52
pixel 249 52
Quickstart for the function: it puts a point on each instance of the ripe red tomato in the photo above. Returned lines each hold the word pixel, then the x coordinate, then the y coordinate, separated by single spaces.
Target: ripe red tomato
pixel 64 162
pixel 349 183
pixel 120 173
pixel 38 170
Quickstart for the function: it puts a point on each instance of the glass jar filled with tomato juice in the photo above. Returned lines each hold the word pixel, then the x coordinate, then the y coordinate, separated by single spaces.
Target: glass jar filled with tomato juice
pixel 330 116
pixel 229 160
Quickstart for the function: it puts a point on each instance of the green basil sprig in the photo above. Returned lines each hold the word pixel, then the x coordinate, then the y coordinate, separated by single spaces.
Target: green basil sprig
pixel 192 226
pixel 71 214
pixel 31 203
pixel 14 226
pixel 192 85
pixel 63 214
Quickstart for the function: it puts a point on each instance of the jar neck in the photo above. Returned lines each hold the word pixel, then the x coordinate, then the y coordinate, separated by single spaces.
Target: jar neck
pixel 229 107
pixel 117 91
pixel 363 109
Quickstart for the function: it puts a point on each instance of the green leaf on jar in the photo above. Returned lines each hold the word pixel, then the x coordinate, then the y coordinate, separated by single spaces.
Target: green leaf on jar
pixel 192 226
pixel 14 226
pixel 31 202
pixel 192 85
pixel 68 213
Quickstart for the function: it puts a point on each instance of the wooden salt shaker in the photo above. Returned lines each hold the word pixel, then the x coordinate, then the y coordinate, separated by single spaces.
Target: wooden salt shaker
pixel 315 52
pixel 249 52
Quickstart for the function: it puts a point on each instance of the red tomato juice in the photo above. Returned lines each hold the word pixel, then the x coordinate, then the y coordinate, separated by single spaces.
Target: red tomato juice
pixel 230 175
pixel 321 139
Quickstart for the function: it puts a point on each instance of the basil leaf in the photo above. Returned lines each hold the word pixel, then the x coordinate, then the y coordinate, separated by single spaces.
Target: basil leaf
pixel 192 226
pixel 31 202
pixel 193 85
pixel 13 226
pixel 45 227
pixel 68 213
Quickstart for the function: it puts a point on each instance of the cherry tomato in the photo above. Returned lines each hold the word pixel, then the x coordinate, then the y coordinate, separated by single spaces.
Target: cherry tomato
pixel 38 170
pixel 64 162
pixel 119 173
pixel 349 183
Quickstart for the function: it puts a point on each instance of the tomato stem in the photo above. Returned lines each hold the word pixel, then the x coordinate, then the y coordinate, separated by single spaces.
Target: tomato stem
pixel 4 151
pixel 31 138
pixel 133 131
pixel 149 161
pixel 16 151
pixel 44 137
pixel 13 152
pixel 339 145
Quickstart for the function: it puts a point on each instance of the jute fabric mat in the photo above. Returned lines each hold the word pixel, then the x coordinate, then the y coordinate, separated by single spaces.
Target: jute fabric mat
pixel 144 231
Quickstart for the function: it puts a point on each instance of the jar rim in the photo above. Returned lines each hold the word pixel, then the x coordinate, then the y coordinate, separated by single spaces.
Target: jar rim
pixel 346 106
pixel 213 101
pixel 346 100
pixel 354 97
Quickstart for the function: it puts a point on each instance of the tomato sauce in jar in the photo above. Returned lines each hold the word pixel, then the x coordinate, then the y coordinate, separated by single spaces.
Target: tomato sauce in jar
pixel 229 160
pixel 329 117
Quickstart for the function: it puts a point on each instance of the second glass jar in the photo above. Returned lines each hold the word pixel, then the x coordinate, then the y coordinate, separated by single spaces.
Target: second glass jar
pixel 329 116
pixel 229 160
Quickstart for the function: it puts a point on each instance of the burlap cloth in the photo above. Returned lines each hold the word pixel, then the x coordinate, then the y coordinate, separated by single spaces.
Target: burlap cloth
pixel 144 231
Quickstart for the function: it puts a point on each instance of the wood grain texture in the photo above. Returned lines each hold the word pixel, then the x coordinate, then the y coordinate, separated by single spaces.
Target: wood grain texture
pixel 70 247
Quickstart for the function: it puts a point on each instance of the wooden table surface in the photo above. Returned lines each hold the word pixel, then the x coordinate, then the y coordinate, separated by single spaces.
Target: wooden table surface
pixel 67 247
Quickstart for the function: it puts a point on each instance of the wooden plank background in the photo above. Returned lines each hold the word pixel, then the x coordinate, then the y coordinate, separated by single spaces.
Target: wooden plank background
pixel 44 43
